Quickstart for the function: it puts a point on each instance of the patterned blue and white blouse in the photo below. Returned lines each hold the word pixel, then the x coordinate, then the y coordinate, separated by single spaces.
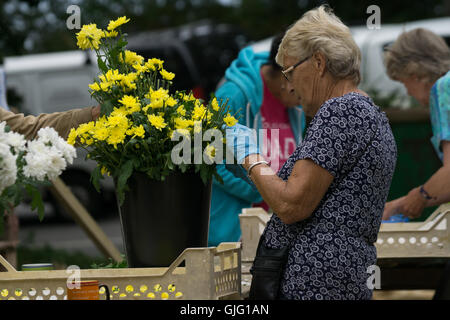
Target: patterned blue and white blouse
pixel 331 250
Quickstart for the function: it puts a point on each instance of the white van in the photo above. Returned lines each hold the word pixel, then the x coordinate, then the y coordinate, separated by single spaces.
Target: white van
pixel 54 82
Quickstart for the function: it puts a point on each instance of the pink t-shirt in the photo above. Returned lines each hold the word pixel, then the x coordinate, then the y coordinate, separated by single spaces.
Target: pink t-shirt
pixel 274 116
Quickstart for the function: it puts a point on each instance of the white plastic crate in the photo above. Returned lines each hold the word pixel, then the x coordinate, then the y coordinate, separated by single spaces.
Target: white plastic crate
pixel 208 274
pixel 430 238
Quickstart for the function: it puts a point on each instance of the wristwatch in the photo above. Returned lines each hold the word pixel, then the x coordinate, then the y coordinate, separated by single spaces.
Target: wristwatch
pixel 425 194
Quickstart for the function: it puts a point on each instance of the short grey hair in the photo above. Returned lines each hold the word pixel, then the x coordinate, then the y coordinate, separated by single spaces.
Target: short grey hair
pixel 320 30
pixel 418 52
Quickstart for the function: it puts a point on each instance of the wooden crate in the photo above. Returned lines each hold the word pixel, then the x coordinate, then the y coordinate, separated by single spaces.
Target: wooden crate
pixel 208 274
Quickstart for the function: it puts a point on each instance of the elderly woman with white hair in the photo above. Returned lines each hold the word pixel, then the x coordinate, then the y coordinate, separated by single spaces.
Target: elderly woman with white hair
pixel 328 197
pixel 420 60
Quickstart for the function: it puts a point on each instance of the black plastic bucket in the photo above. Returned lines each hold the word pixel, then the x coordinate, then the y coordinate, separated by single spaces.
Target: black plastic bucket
pixel 162 218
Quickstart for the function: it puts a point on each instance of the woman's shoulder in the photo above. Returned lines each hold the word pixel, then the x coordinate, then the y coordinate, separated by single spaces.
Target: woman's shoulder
pixel 350 104
pixel 443 84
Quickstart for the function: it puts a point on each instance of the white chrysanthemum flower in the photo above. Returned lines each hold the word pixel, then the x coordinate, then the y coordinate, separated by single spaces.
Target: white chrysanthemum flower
pixel 49 135
pixel 8 167
pixel 38 160
pixel 16 140
pixel 58 163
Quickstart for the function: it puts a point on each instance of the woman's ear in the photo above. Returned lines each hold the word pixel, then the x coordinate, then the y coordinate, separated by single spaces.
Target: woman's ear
pixel 319 62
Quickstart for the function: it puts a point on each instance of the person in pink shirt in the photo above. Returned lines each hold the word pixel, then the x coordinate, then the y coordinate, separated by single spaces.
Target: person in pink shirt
pixel 255 88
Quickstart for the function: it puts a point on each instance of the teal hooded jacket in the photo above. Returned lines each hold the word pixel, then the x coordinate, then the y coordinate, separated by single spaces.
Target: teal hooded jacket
pixel 243 87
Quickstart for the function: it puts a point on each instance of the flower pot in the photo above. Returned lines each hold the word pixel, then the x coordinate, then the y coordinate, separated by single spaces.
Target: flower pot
pixel 162 218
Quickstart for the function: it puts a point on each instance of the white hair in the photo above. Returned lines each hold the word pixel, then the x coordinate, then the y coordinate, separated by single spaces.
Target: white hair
pixel 320 30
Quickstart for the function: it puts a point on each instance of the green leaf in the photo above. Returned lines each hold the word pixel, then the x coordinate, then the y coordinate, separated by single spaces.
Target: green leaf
pixel 183 167
pixel 204 174
pixel 125 172
pixel 96 176
pixel 102 66
pixel 36 201
pixel 107 107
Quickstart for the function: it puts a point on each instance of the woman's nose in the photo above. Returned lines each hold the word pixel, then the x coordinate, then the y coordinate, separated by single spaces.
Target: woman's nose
pixel 289 86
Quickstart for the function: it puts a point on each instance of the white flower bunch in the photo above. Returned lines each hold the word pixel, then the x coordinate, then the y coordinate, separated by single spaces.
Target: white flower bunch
pixel 47 156
pixel 28 164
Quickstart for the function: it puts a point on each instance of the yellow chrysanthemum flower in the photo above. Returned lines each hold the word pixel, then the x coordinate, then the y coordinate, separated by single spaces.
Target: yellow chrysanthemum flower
pixel 101 133
pixel 167 75
pixel 111 34
pixel 199 112
pixel 230 120
pixel 132 58
pixel 157 121
pixel 139 131
pixel 140 68
pixel 103 86
pixel 161 93
pixel 171 102
pixel 71 139
pixel 86 128
pixel 181 123
pixel 89 37
pixel 117 135
pixel 119 121
pixel 154 64
pixel 111 75
pixel 156 104
pixel 121 112
pixel 131 103
pixel 103 170
pixel 189 97
pixel 136 131
pixel 181 111
pixel 215 104
pixel 210 151
pixel 113 24
pixel 127 81
pixel 95 86
pixel 89 140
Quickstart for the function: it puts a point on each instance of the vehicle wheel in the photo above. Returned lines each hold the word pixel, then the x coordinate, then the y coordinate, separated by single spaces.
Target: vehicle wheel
pixel 80 185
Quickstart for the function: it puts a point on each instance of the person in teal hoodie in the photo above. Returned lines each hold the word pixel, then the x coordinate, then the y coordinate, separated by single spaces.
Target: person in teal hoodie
pixel 255 89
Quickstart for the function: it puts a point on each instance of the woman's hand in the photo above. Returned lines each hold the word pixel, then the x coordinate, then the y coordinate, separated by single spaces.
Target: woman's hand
pixel 413 204
pixel 392 208
pixel 242 141
pixel 96 112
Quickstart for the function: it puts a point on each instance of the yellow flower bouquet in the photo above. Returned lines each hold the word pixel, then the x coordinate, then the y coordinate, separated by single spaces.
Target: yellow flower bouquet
pixel 142 121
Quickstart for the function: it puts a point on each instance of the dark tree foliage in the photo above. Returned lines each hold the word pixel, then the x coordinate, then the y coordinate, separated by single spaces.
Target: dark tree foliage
pixel 29 26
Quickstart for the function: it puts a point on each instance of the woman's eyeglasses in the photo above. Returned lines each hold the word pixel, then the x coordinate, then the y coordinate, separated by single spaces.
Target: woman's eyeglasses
pixel 286 73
